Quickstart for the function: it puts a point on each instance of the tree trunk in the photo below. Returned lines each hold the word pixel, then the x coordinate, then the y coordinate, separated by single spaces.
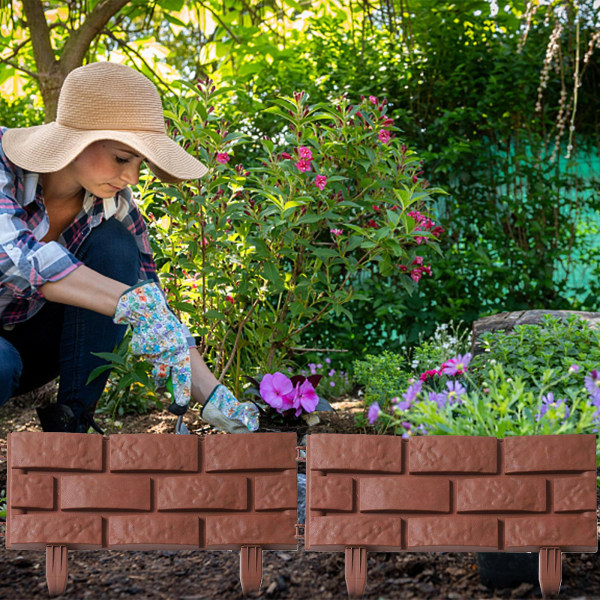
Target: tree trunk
pixel 51 72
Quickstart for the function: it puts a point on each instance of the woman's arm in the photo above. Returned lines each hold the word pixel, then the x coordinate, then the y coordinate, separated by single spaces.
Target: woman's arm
pixel 86 288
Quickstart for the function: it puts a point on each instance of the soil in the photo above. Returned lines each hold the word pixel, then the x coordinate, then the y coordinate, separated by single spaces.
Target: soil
pixel 193 575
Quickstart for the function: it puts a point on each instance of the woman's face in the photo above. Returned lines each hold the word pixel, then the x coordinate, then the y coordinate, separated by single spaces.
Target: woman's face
pixel 106 167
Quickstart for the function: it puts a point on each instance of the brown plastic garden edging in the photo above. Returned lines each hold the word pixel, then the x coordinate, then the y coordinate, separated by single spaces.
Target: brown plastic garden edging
pixel 364 493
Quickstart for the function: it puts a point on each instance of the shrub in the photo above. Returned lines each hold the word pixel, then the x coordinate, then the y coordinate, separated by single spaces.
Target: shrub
pixel 537 380
pixel 336 383
pixel 384 377
pixel 529 350
pixel 252 256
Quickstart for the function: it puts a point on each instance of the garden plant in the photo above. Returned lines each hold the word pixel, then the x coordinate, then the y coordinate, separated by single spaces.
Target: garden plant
pixel 264 252
pixel 536 380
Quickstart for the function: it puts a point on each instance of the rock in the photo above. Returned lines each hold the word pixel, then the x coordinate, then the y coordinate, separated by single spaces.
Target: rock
pixel 301 497
pixel 507 321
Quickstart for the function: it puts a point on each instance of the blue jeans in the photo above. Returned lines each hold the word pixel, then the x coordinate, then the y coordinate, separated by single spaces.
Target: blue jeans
pixel 59 339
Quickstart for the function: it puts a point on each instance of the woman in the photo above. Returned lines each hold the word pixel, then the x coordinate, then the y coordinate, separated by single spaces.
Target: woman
pixel 75 261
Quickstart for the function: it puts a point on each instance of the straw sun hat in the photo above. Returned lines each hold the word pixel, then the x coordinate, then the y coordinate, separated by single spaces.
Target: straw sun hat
pixel 103 101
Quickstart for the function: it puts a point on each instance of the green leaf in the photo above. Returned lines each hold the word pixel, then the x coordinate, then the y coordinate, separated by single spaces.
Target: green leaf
pixel 292 204
pixel 97 372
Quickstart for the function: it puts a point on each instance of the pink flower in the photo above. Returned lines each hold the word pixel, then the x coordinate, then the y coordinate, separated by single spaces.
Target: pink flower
pixel 306 398
pixel 416 275
pixel 223 158
pixel 418 260
pixel 229 299
pixel 285 155
pixel 373 100
pixel 336 231
pixel 320 181
pixel 431 373
pixel 276 390
pixel 384 136
pixel 305 153
pixel 457 365
pixel 303 165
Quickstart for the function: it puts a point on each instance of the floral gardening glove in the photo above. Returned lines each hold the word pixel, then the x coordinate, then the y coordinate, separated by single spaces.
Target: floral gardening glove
pixel 224 412
pixel 159 337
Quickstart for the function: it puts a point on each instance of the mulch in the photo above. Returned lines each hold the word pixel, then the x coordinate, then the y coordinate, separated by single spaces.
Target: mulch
pixel 198 575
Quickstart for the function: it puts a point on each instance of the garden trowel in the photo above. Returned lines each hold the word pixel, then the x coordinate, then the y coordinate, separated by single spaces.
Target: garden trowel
pixel 180 425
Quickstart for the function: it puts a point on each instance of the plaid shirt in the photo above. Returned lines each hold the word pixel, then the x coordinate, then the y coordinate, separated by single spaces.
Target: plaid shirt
pixel 26 263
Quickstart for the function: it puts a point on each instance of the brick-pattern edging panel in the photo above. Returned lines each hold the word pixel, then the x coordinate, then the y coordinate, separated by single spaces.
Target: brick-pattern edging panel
pixel 149 491
pixel 451 493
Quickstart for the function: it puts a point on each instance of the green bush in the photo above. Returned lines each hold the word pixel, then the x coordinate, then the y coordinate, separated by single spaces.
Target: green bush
pixel 336 382
pixel 501 406
pixel 384 377
pixel 537 380
pixel 251 257
pixel 530 350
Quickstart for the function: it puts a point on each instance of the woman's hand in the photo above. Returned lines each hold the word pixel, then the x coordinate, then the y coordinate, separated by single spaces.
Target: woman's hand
pixel 159 337
pixel 223 411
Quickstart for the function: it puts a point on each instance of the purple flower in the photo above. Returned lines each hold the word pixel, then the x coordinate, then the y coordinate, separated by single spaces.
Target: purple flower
pixel 455 391
pixel 549 402
pixel 328 360
pixel 439 398
pixel 276 390
pixel 305 398
pixel 592 385
pixel 332 373
pixel 457 365
pixel 573 368
pixel 332 383
pixel 373 413
pixel 412 392
pixel 313 368
pixel 400 406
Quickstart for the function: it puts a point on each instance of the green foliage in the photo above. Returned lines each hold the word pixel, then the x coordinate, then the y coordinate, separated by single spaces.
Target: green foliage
pixel 251 257
pixel 524 384
pixel 502 407
pixel 530 350
pixel 448 340
pixel 129 389
pixel 336 383
pixel 384 377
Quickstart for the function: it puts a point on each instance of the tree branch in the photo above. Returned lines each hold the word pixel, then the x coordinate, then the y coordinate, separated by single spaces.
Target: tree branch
pixel 80 40
pixel 43 52
pixel 218 18
pixel 19 68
